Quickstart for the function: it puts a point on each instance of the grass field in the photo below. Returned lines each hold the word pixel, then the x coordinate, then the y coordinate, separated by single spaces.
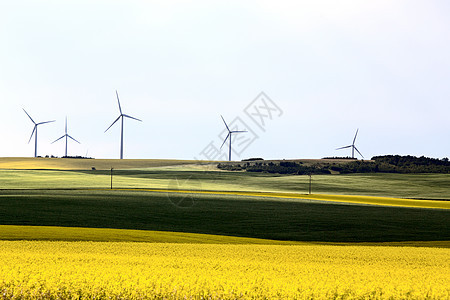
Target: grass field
pixel 80 234
pixel 30 163
pixel 414 186
pixel 235 204
pixel 243 216
pixel 54 173
pixel 77 234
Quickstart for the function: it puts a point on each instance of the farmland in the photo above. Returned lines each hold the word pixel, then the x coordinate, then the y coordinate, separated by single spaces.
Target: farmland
pixel 243 216
pixel 205 177
pixel 197 198
pixel 86 270
pixel 171 229
pixel 84 164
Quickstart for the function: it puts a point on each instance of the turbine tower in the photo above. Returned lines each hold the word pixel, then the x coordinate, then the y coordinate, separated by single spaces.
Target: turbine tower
pixel 352 146
pixel 230 132
pixel 66 136
pixel 35 131
pixel 121 116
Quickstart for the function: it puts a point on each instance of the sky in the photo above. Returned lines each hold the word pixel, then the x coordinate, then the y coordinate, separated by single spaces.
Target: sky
pixel 299 76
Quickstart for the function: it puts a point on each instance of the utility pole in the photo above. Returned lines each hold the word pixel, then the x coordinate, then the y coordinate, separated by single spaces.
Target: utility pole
pixel 111 176
pixel 310 182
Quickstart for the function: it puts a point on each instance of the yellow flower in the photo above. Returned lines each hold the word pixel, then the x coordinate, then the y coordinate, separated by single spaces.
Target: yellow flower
pixel 87 270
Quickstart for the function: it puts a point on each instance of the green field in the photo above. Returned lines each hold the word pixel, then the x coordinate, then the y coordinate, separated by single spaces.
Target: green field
pixel 256 217
pixel 75 234
pixel 412 186
pixel 39 163
pixel 81 198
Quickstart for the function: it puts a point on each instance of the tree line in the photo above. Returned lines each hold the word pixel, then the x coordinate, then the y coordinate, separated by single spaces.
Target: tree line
pixel 378 164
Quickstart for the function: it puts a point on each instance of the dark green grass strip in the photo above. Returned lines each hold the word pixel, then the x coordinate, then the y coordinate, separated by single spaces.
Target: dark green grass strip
pixel 241 216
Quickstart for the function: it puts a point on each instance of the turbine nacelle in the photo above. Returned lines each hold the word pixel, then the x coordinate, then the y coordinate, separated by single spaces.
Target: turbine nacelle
pixel 34 132
pixel 66 136
pixel 230 132
pixel 121 116
pixel 352 146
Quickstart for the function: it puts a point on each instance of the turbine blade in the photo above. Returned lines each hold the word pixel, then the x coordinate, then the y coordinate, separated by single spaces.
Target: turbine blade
pixel 58 139
pixel 358 151
pixel 34 129
pixel 29 116
pixel 113 123
pixel 73 139
pixel 225 140
pixel 132 118
pixel 344 147
pixel 355 136
pixel 66 124
pixel 118 101
pixel 225 124
pixel 237 131
pixel 45 122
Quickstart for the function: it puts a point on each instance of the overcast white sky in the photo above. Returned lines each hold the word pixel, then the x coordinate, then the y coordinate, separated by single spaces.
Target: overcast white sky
pixel 330 66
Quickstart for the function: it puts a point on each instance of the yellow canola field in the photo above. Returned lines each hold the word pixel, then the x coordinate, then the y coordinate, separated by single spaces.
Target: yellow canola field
pixel 84 270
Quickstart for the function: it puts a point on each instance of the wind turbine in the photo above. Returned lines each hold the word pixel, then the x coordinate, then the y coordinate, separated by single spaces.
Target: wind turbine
pixel 35 131
pixel 122 115
pixel 230 132
pixel 66 136
pixel 352 146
